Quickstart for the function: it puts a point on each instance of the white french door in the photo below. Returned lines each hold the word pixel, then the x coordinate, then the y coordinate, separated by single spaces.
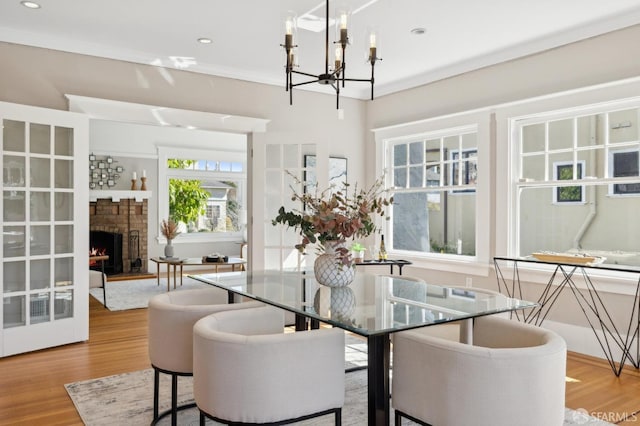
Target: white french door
pixel 272 189
pixel 45 244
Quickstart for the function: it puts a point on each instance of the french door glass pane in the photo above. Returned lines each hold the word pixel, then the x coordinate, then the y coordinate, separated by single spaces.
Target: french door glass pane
pixel 14 206
pixel 63 271
pixel 40 173
pixel 13 168
pixel 63 239
pixel 63 174
pixel 13 241
pixel 39 308
pixel 13 134
pixel 40 240
pixel 273 156
pixel 40 274
pixel 63 206
pixel 63 305
pixel 291 156
pixel 39 138
pixel 14 276
pixel 63 141
pixel 14 311
pixel 40 206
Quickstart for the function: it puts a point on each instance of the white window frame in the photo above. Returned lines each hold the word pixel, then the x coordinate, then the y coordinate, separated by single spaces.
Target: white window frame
pixel 164 174
pixel 610 160
pixel 513 177
pixel 578 173
pixel 481 120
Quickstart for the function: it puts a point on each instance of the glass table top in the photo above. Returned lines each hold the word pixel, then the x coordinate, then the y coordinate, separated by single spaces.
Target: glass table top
pixel 371 305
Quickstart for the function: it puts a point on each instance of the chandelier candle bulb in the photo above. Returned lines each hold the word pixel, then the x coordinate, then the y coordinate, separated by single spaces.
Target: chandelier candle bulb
pixel 343 28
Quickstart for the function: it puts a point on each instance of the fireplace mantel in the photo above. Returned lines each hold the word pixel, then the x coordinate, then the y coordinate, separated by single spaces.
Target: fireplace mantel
pixel 117 195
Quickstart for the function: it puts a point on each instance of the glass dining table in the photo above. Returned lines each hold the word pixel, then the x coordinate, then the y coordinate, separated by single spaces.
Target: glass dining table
pixel 372 306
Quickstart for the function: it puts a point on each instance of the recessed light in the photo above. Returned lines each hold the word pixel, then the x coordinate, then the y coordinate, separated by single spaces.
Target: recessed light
pixel 418 31
pixel 205 40
pixel 30 4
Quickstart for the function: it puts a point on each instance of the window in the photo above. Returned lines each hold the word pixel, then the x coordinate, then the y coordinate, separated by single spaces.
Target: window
pixel 625 164
pixel 568 194
pixel 576 182
pixel 205 193
pixel 433 186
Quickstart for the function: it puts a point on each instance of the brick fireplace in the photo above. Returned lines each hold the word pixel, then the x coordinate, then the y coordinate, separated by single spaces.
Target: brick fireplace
pixel 126 216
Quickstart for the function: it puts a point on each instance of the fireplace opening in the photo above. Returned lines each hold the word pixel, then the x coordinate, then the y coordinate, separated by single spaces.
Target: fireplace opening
pixel 110 244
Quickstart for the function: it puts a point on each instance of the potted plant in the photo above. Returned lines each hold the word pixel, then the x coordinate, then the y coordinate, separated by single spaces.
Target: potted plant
pixel 331 218
pixel 169 229
pixel 357 251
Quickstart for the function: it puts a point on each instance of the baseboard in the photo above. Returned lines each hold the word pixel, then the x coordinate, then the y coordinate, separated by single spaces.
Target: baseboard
pixel 583 340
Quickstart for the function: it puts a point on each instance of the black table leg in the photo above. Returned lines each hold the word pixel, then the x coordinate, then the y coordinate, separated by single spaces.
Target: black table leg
pixel 301 322
pixel 378 380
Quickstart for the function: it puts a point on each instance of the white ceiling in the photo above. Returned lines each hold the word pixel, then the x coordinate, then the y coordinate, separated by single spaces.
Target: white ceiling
pixel 461 35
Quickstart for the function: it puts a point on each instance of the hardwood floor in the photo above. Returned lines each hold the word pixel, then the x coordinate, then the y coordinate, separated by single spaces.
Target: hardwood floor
pixel 32 391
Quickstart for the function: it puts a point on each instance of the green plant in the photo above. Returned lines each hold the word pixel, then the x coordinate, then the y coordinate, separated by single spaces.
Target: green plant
pixel 357 247
pixel 335 215
pixel 187 200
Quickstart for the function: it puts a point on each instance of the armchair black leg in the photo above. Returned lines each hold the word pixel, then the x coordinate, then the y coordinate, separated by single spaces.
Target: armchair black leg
pixel 202 418
pixel 339 417
pixel 156 389
pixel 398 421
pixel 174 400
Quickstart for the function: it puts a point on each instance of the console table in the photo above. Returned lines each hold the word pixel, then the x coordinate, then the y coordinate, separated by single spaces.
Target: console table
pixel 589 300
pixel 233 262
pixel 391 262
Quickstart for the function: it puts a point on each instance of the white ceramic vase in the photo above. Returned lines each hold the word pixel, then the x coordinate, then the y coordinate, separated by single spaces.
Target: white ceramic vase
pixel 330 271
pixel 168 249
pixel 337 302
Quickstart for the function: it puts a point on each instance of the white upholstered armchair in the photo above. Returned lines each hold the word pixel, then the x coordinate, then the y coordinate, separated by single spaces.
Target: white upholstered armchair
pixel 171 319
pixel 514 373
pixel 246 370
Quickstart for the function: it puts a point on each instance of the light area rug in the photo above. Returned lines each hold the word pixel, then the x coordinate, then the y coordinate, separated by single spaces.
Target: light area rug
pixel 127 399
pixel 135 294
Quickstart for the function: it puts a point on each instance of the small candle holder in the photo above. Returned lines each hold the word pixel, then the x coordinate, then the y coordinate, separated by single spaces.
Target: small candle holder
pixel 133 184
pixel 143 186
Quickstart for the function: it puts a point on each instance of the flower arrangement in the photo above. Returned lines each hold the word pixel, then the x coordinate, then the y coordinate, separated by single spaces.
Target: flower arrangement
pixel 335 216
pixel 169 229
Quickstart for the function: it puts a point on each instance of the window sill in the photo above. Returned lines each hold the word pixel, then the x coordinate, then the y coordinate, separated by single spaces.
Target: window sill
pixel 205 237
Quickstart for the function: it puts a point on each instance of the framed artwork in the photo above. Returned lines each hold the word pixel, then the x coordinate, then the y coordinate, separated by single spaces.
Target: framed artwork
pixel 337 172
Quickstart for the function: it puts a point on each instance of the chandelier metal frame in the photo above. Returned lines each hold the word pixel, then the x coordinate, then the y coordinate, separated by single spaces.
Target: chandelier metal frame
pixel 328 77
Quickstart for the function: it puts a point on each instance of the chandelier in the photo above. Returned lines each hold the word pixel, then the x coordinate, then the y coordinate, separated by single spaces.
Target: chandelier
pixel 334 75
